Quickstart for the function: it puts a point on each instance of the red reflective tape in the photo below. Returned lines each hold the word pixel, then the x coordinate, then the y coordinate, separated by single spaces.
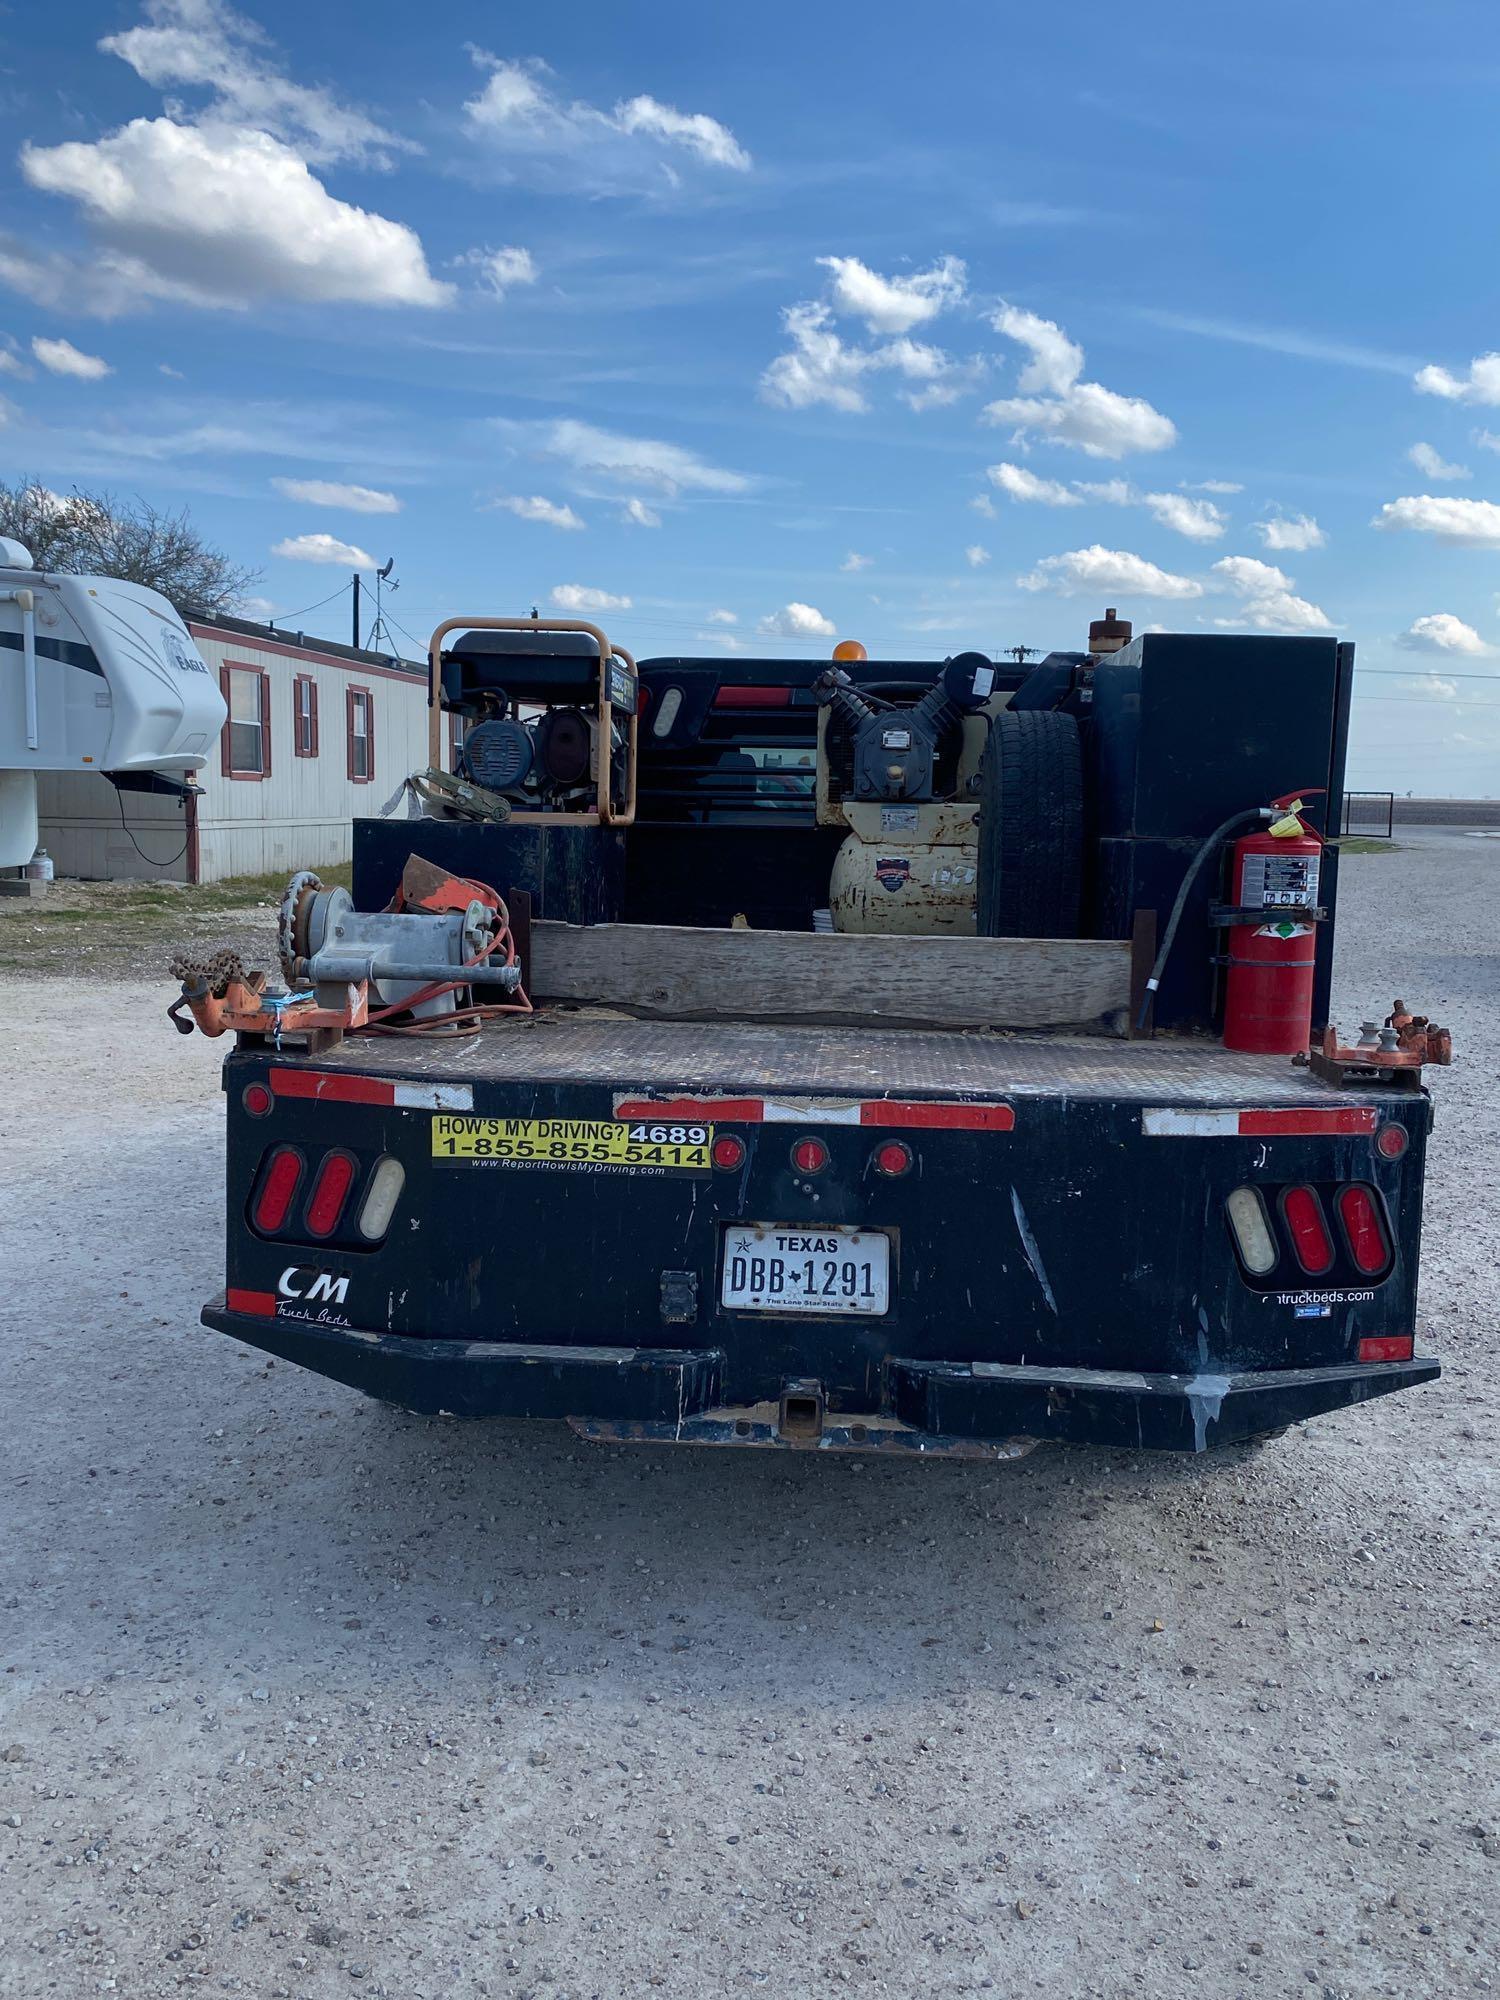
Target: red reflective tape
pixel 263 1303
pixel 1308 1124
pixel 1386 1347
pixel 704 1111
pixel 332 1089
pixel 888 1112
pixel 748 696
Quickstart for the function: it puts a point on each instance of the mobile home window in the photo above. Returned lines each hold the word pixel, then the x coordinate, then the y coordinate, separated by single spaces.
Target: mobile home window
pixel 361 735
pixel 305 715
pixel 247 733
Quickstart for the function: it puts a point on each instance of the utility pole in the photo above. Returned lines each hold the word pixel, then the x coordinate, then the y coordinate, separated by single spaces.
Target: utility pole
pixel 355 641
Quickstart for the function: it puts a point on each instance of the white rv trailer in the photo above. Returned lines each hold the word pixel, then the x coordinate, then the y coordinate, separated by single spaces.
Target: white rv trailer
pixel 96 675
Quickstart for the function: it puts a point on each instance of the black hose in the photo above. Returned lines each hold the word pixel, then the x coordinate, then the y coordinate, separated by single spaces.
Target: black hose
pixel 1169 935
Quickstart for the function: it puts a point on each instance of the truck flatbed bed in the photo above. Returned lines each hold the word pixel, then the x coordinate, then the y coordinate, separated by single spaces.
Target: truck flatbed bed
pixel 594 1046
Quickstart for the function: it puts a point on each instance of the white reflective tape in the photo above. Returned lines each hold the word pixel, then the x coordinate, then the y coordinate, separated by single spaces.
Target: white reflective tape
pixel 787 1111
pixel 1166 1124
pixel 435 1096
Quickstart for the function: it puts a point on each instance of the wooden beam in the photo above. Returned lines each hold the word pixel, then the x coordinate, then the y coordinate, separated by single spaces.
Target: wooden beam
pixel 742 975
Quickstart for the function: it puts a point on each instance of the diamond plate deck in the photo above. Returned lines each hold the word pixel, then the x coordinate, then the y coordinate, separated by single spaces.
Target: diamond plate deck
pixel 595 1047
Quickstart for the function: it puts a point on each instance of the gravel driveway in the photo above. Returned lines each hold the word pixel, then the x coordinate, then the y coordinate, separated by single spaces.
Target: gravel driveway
pixel 301 1696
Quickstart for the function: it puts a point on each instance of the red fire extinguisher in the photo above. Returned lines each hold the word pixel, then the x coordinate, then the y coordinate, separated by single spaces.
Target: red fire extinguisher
pixel 1271 955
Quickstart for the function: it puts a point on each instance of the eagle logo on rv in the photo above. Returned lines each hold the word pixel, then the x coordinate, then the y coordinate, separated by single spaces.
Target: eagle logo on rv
pixel 179 652
pixel 893 872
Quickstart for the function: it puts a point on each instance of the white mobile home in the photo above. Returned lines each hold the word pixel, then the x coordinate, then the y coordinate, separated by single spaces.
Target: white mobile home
pixel 317 733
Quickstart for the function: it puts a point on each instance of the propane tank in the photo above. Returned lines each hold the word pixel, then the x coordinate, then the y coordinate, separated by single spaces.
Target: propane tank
pixel 1271 956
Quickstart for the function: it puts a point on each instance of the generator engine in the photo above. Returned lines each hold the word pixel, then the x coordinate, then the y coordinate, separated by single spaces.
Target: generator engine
pixel 894 749
pixel 541 761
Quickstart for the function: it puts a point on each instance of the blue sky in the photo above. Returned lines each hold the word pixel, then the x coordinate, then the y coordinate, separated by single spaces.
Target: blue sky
pixel 746 327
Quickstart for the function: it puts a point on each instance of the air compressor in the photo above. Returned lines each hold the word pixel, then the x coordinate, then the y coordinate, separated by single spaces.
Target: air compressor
pixel 1270 955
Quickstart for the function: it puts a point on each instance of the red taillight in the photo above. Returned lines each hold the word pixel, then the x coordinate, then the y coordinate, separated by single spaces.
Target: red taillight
pixel 330 1190
pixel 1392 1141
pixel 1309 1232
pixel 809 1156
pixel 1386 1347
pixel 1364 1232
pixel 256 1099
pixel 278 1189
pixel 893 1158
pixel 728 1152
pixel 753 697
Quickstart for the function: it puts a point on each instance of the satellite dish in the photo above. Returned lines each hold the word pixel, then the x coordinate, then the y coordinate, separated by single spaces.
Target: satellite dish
pixel 384 573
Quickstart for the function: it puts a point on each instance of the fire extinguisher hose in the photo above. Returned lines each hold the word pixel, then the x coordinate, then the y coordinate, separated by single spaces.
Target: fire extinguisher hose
pixel 1255 815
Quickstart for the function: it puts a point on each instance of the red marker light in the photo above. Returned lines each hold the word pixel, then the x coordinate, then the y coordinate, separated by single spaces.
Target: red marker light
pixel 278 1188
pixel 326 1202
pixel 728 1152
pixel 1364 1231
pixel 893 1159
pixel 809 1156
pixel 1392 1141
pixel 257 1100
pixel 1309 1232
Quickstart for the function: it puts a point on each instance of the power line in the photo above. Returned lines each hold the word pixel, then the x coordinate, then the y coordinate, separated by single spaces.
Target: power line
pixel 1415 673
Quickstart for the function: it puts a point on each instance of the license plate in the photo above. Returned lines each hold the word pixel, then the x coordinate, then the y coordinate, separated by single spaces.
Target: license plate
pixel 572 1142
pixel 775 1268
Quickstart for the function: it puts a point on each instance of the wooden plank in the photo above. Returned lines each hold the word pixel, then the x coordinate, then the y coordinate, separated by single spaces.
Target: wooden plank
pixel 740 975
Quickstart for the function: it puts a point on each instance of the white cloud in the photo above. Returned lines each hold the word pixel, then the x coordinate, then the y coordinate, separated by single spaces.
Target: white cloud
pixel 1489 440
pixel 1199 520
pixel 1467 524
pixel 1267 598
pixel 11 362
pixel 798 621
pixel 1480 384
pixel 1110 492
pixel 976 556
pixel 983 504
pixel 895 305
pixel 532 507
pixel 1442 632
pixel 1090 418
pixel 323 549
pixel 206 45
pixel 214 216
pixel 727 640
pixel 1432 465
pixel 1056 362
pixel 703 136
pixel 1291 534
pixel 332 493
pixel 500 271
pixel 1058 405
pixel 61 357
pixel 1210 486
pixel 582 597
pixel 173 375
pixel 854 562
pixel 630 461
pixel 820 366
pixel 1092 570
pixel 636 514
pixel 518 109
pixel 1023 485
pixel 722 618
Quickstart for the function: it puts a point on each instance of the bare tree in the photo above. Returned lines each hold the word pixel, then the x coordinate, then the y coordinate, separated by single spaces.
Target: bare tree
pixel 94 534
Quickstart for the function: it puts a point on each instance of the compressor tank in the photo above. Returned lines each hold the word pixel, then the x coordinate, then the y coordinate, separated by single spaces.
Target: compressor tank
pixel 906 871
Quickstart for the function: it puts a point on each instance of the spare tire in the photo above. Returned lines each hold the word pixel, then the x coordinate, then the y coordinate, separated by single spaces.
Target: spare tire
pixel 1030 826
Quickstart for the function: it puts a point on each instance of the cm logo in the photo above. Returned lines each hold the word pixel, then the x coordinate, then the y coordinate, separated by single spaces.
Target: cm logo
pixel 324 1286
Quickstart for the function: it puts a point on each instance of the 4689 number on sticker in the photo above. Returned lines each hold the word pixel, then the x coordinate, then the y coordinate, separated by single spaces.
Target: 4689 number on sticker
pixel 604 1144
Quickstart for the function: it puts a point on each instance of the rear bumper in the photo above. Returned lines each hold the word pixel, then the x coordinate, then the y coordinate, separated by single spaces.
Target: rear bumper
pixel 675 1394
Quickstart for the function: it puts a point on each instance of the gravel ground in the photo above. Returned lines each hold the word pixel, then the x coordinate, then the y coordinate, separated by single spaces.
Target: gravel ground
pixel 303 1697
